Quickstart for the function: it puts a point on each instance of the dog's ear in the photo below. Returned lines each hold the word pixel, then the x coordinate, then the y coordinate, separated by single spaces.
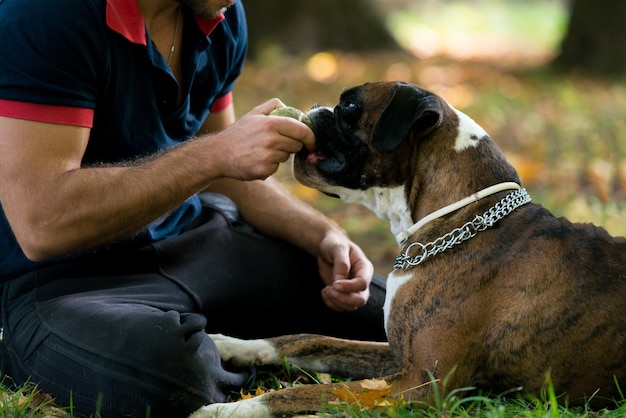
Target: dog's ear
pixel 409 108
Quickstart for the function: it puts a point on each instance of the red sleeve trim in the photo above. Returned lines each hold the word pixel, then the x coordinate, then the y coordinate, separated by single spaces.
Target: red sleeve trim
pixel 64 115
pixel 222 102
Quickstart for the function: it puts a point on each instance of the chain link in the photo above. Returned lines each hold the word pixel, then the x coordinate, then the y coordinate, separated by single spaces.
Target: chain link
pixel 505 206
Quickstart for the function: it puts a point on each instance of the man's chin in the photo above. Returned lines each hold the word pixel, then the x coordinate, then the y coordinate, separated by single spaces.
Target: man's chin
pixel 209 14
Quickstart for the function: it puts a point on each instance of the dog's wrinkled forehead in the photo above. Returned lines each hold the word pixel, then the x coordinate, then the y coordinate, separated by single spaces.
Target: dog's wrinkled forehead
pixel 371 101
pixel 382 113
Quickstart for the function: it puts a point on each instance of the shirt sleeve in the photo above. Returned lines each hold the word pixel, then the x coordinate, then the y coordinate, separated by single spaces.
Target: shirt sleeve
pixel 51 55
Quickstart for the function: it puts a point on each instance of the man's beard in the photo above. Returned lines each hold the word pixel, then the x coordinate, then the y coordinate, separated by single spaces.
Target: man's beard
pixel 203 9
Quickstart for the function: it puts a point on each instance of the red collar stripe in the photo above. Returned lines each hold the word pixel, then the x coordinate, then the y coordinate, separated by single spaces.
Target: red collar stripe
pixel 124 17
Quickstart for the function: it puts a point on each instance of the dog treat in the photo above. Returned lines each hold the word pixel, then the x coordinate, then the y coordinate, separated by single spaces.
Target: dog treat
pixel 294 113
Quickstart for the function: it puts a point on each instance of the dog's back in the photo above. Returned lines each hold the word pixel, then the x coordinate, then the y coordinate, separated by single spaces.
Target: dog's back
pixel 534 297
pixel 570 306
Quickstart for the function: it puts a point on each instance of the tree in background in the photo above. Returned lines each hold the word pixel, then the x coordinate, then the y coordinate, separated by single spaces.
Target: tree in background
pixel 595 42
pixel 298 26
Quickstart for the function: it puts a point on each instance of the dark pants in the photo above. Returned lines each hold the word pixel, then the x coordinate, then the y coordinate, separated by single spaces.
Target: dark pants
pixel 125 333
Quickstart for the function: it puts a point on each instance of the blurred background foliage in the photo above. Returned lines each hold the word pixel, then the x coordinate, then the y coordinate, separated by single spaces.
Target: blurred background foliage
pixel 544 77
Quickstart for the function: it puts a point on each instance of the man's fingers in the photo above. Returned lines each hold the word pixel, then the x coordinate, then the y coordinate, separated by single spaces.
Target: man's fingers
pixel 357 284
pixel 340 301
pixel 266 107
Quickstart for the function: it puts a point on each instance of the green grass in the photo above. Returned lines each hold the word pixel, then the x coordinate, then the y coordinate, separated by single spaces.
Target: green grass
pixel 27 401
pixel 451 405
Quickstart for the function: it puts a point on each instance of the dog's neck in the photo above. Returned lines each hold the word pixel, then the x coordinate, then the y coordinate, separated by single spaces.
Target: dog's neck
pixel 391 203
pixel 404 235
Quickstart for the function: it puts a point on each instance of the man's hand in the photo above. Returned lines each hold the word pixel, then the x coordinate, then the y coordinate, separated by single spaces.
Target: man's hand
pixel 253 147
pixel 346 271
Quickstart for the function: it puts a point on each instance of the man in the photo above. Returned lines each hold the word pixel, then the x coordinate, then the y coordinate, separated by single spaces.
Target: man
pixel 120 245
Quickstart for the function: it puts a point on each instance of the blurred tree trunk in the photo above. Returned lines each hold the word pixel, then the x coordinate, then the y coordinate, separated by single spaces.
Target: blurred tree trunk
pixel 595 42
pixel 297 26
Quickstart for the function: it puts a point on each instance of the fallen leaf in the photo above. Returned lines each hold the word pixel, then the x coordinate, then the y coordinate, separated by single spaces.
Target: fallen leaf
pixel 373 395
pixel 259 391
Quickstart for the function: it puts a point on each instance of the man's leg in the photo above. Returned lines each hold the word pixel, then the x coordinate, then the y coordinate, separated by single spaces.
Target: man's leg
pixel 119 345
pixel 251 286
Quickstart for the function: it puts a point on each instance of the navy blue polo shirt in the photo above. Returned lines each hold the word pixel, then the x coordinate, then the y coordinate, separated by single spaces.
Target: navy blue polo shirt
pixel 92 63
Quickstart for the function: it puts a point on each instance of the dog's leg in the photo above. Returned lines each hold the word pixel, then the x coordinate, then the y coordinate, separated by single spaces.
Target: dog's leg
pixel 316 353
pixel 296 399
pixel 358 359
pixel 308 399
pixel 348 358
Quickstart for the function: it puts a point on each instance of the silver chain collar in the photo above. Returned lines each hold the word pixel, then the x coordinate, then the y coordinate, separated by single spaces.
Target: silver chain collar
pixel 508 204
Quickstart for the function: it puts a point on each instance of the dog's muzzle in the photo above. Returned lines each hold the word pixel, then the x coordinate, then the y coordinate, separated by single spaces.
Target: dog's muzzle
pixel 335 160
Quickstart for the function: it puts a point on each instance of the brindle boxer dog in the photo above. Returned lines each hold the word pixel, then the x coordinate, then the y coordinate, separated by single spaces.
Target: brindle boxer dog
pixel 488 289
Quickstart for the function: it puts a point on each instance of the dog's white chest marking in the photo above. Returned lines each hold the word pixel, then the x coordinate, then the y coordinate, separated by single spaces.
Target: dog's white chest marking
pixel 470 133
pixel 388 203
pixel 395 280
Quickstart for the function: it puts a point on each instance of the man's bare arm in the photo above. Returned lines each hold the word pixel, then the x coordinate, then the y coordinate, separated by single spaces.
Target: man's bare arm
pixel 56 206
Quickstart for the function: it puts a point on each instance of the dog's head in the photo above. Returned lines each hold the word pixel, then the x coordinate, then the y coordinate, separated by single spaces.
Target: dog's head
pixel 363 142
pixel 386 140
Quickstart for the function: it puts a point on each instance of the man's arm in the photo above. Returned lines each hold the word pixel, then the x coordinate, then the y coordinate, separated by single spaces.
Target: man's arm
pixel 56 206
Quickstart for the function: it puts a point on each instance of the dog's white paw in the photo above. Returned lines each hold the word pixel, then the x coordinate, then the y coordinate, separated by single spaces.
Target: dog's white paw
pixel 247 408
pixel 246 352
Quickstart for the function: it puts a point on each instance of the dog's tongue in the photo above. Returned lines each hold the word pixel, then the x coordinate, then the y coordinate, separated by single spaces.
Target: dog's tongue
pixel 314 157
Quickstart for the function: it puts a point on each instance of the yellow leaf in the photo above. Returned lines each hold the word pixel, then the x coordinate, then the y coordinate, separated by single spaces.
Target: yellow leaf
pixel 374 395
pixel 258 392
pixel 345 394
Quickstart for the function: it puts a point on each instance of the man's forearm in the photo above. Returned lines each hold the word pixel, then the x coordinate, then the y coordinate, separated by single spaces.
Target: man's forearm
pixel 87 207
pixel 268 207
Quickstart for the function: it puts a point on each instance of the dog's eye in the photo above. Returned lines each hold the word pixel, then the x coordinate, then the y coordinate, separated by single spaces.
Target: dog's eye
pixel 349 111
pixel 351 106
